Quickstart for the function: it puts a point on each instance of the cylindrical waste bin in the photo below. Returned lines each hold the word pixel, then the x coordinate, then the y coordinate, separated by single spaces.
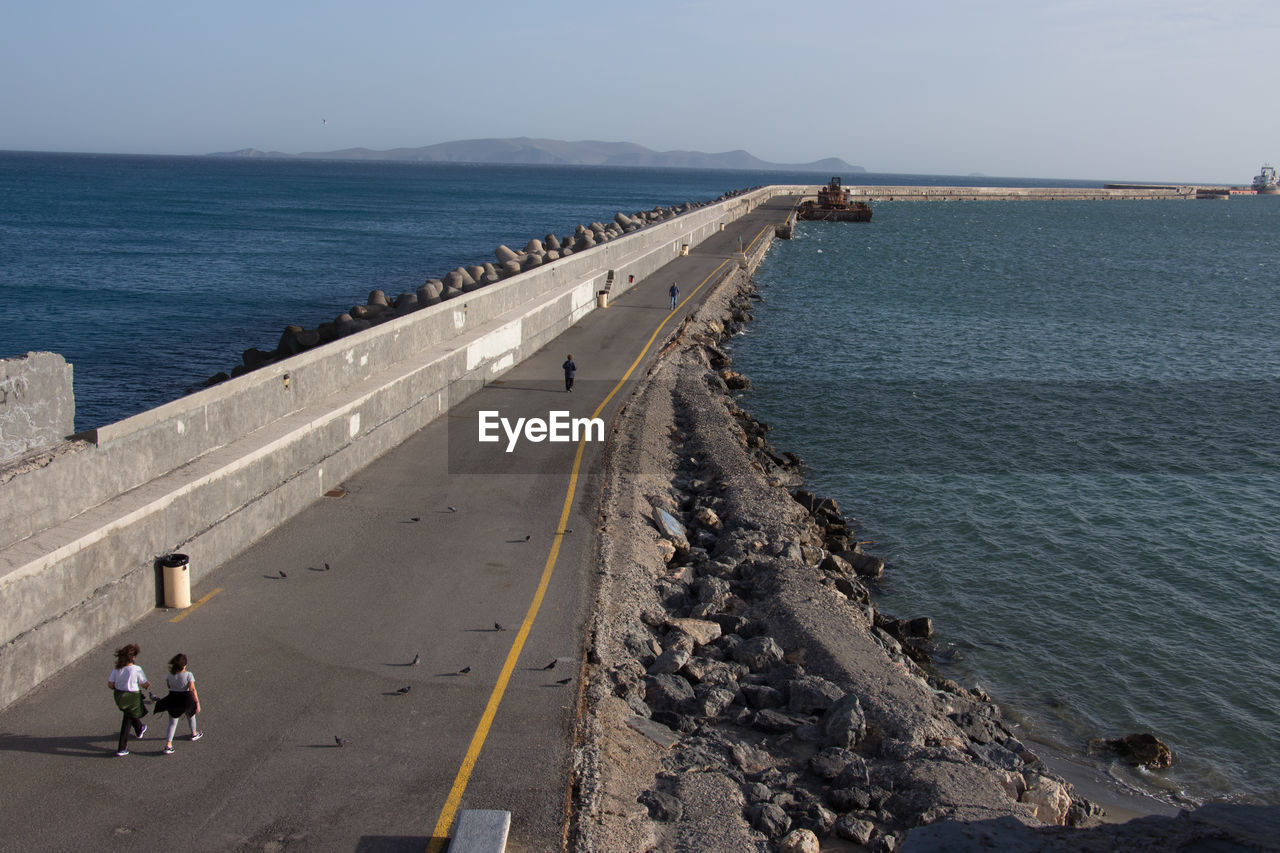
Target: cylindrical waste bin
pixel 177 580
pixel 602 299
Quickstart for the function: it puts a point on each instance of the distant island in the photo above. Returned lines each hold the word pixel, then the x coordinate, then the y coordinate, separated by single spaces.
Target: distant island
pixel 554 152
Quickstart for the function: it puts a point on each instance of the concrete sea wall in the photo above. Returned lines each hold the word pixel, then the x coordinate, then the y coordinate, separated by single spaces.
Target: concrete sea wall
pixel 83 522
pixel 37 406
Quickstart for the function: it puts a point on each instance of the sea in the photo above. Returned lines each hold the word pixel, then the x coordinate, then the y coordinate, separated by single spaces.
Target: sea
pixel 1056 421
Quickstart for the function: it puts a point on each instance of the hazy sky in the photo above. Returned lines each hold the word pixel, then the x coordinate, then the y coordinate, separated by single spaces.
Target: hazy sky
pixel 1109 89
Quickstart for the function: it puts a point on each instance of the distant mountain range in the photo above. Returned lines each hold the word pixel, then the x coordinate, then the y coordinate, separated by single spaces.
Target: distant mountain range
pixel 554 152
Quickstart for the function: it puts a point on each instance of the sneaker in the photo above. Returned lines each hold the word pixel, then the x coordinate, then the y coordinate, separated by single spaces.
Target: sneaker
pixel 122 753
pixel 143 732
pixel 168 750
pixel 197 735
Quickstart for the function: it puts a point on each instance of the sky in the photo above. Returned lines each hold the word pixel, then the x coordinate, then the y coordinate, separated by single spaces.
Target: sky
pixel 1117 90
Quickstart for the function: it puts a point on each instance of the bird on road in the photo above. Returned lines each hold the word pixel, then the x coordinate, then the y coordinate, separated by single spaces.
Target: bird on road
pixel 528 537
pixel 415 518
pixel 416 658
pixel 339 741
pixel 565 680
pixel 282 574
pixel 497 626
pixel 464 670
pixel 551 665
pixel 326 567
pixel 405 689
pixel 453 509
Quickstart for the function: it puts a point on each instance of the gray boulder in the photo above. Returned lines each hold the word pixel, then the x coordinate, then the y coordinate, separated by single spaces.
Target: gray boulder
pixel 811 694
pixel 670 662
pixel 769 819
pixel 759 653
pixel 666 692
pixel 845 724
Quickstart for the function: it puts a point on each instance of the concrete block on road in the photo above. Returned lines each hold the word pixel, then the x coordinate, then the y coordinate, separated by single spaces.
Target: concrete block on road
pixel 480 831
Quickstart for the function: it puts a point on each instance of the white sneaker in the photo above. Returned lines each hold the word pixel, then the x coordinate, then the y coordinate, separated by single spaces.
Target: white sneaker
pixel 122 753
pixel 197 735
pixel 143 732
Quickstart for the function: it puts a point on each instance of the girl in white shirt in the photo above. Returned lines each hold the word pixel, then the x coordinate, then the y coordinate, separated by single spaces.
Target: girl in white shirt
pixel 127 682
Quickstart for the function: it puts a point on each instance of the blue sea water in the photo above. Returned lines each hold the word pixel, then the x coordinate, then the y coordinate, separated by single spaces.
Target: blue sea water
pixel 1056 420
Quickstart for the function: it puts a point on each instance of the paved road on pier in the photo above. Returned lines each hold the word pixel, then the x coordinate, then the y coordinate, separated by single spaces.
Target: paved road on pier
pixel 288 654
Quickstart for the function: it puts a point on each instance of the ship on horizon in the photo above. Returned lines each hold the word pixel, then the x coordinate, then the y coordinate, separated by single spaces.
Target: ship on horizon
pixel 1265 182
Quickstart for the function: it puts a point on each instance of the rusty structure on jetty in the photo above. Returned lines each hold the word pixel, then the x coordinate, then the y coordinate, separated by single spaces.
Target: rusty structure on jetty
pixel 834 205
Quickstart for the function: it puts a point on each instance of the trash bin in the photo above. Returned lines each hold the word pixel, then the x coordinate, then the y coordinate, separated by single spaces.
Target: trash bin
pixel 177 580
pixel 684 249
pixel 602 299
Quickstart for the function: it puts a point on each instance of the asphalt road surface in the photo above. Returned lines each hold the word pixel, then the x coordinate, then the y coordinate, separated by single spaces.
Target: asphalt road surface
pixel 446 551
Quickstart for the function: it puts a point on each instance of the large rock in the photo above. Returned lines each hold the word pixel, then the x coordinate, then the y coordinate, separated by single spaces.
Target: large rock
pixel 864 564
pixel 769 819
pixel 1049 800
pixel 703 632
pixel 845 724
pixel 504 255
pixel 759 653
pixel 852 828
pixel 669 662
pixel 811 694
pixel 828 763
pixel 710 700
pixel 1144 750
pixel 666 692
pixel 799 841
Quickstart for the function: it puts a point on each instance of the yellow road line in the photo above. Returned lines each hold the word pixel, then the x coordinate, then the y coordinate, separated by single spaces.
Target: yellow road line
pixel 187 611
pixel 440 833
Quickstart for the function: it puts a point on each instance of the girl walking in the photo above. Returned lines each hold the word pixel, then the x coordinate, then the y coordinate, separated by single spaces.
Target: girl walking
pixel 181 701
pixel 127 682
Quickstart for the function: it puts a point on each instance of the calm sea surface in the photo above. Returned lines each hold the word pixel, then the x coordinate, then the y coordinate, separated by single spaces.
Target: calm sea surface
pixel 1056 420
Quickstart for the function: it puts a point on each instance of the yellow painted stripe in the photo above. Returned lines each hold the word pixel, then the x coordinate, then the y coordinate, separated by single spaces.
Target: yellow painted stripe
pixel 454 800
pixel 187 612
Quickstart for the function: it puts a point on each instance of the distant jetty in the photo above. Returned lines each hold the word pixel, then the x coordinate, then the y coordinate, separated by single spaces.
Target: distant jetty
pixel 1127 192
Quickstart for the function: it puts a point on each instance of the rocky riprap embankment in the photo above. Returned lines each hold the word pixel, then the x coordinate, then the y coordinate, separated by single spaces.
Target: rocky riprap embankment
pixel 744 691
pixel 380 308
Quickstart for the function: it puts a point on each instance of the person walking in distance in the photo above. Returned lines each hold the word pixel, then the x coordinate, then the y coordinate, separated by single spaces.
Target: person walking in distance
pixel 127 682
pixel 181 701
pixel 570 368
pixel 675 293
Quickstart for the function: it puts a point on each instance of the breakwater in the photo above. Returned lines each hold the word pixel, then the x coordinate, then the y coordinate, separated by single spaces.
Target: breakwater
pixel 84 521
pixel 379 307
pixel 928 193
